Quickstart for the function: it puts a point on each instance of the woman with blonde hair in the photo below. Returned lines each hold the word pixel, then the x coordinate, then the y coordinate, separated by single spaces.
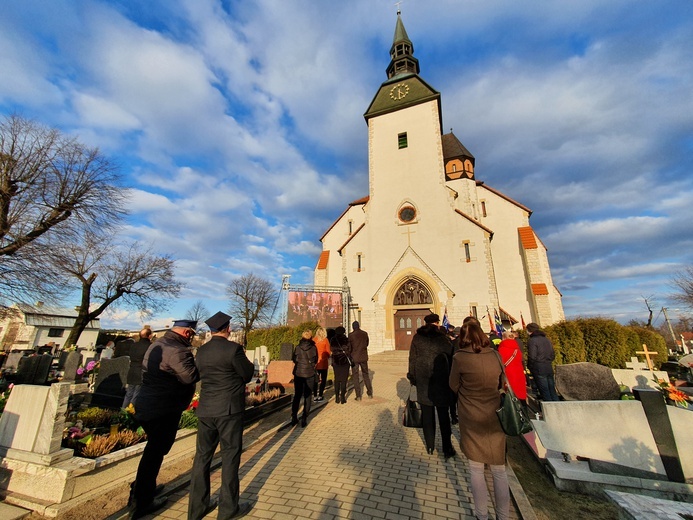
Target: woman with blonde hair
pixel 323 346
pixel 475 378
pixel 305 356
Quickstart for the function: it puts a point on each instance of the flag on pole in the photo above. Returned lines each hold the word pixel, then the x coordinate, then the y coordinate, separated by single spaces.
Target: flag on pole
pixel 523 321
pixel 446 323
pixel 498 324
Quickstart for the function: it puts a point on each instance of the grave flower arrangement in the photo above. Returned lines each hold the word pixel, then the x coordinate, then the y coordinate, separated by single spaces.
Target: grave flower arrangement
pixel 672 394
pixel 96 432
pixel 188 419
pixel 89 369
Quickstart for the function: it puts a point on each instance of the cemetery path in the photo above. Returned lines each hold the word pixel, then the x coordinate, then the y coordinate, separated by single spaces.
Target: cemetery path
pixel 352 461
pixel 355 461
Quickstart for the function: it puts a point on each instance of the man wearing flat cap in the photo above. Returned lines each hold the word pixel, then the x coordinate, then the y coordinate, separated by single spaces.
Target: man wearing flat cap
pixel 169 375
pixel 224 372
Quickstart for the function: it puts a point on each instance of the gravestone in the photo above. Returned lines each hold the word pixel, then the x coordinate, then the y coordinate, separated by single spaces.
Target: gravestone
pixel 286 351
pixel 109 388
pixel 43 369
pixel 280 374
pixel 636 364
pixel 72 362
pixel 660 424
pixel 259 358
pixel 62 358
pixel 586 382
pixel 34 370
pixel 122 348
pixel 31 426
pixel 12 362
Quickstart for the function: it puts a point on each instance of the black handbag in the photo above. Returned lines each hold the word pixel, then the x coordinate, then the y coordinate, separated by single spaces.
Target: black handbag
pixel 511 414
pixel 411 418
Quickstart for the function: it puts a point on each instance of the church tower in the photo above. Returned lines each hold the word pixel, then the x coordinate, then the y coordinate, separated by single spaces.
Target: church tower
pixel 430 237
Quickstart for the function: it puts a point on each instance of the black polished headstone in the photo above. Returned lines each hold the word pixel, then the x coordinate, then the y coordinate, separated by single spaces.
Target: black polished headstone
pixel 43 369
pixel 286 352
pixel 658 418
pixel 109 388
pixel 34 370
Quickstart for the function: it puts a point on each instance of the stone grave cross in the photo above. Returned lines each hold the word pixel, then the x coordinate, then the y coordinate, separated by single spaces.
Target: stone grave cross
pixel 647 355
pixel 636 364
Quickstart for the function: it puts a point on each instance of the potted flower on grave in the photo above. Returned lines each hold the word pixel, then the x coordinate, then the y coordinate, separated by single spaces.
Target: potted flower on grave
pixel 672 395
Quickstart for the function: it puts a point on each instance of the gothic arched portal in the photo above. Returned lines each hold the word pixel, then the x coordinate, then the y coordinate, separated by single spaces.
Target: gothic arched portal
pixel 412 301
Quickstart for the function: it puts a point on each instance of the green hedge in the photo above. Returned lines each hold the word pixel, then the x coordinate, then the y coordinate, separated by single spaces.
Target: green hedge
pixel 275 336
pixel 603 341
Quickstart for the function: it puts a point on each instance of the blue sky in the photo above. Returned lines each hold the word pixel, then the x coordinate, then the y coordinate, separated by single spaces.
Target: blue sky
pixel 239 125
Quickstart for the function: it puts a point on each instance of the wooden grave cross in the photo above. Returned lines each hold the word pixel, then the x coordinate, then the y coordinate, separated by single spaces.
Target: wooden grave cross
pixel 647 354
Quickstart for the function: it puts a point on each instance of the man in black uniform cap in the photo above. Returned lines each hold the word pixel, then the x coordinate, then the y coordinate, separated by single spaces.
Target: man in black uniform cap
pixel 224 372
pixel 169 375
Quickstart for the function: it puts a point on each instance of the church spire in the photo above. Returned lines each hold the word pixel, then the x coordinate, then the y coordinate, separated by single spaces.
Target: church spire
pixel 402 60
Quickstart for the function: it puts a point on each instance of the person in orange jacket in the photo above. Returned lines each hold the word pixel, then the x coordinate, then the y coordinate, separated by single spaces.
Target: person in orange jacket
pixel 324 352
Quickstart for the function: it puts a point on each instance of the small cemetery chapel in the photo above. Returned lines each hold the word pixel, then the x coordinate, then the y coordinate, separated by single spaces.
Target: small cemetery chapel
pixel 431 235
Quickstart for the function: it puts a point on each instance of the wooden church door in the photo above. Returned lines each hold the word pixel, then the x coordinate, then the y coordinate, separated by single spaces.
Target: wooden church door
pixel 406 323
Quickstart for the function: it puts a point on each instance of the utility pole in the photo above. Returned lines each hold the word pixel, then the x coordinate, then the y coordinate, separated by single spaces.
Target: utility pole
pixel 671 330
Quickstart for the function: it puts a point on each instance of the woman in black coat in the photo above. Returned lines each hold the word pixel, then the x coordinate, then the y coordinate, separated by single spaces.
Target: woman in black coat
pixel 430 356
pixel 305 357
pixel 339 345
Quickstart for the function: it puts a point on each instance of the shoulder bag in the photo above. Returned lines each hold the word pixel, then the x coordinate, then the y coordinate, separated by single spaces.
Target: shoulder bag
pixel 411 418
pixel 511 414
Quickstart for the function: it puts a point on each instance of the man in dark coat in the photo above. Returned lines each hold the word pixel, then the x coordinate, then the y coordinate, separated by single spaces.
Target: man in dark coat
pixel 430 357
pixel 224 372
pixel 169 375
pixel 540 356
pixel 358 350
pixel 136 352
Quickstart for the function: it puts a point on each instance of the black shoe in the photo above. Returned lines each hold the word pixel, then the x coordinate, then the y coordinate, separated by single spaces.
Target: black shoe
pixel 243 509
pixel 150 508
pixel 449 454
pixel 429 451
pixel 358 398
pixel 294 421
pixel 213 503
pixel 370 396
pixel 131 499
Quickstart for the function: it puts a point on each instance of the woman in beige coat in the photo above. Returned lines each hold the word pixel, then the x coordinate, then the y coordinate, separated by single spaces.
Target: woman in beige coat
pixel 475 378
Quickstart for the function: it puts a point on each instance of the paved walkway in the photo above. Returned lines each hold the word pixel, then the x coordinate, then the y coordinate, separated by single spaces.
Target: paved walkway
pixel 354 461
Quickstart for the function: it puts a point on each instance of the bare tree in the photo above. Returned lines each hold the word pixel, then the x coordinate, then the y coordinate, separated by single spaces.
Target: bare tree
pixel 252 301
pixel 683 281
pixel 51 185
pixel 111 275
pixel 197 312
pixel 648 301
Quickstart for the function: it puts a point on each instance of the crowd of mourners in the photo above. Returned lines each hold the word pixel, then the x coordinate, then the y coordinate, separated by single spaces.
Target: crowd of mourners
pixel 457 373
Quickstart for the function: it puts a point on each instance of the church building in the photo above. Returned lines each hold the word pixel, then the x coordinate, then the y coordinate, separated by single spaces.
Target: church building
pixel 430 236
